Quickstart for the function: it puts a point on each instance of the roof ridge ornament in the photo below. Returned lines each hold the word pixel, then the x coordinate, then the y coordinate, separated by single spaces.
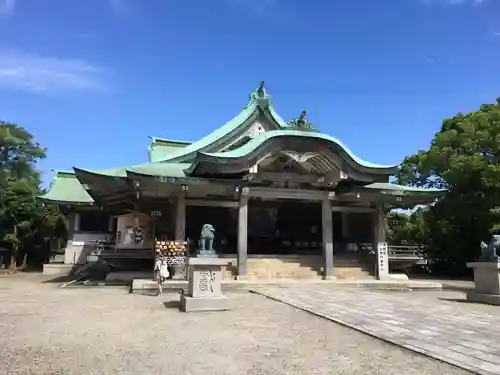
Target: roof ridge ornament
pixel 301 122
pixel 260 90
pixel 261 96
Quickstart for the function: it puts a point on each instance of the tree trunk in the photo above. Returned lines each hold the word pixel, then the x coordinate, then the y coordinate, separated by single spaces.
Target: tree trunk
pixel 14 252
pixel 25 261
pixel 13 258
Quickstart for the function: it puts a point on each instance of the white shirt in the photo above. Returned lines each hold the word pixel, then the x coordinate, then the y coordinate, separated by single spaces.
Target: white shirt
pixel 162 267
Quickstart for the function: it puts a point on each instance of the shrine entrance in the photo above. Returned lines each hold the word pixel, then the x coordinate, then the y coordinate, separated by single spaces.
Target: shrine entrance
pixel 284 227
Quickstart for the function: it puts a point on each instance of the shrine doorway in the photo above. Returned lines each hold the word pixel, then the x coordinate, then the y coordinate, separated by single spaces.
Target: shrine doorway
pixel 284 227
pixel 300 228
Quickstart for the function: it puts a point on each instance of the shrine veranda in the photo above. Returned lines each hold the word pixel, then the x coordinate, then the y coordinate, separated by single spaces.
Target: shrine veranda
pixel 273 190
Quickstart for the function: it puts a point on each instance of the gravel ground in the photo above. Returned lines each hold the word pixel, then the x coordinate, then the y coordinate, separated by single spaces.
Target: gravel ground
pixel 47 330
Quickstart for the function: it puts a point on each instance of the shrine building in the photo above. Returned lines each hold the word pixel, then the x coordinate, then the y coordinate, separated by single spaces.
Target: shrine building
pixel 286 201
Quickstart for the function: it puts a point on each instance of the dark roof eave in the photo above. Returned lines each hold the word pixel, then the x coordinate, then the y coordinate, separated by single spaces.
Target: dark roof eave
pixel 90 178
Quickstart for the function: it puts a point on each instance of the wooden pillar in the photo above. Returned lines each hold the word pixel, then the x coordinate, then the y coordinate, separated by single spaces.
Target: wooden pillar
pixel 243 232
pixel 180 217
pixel 76 222
pixel 110 224
pixel 327 231
pixel 380 244
pixel 71 226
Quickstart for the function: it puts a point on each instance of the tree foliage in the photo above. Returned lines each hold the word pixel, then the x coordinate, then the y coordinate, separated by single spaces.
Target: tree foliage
pixel 404 229
pixel 23 219
pixel 464 157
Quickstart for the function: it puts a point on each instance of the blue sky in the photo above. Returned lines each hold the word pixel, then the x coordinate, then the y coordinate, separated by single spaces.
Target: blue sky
pixel 92 79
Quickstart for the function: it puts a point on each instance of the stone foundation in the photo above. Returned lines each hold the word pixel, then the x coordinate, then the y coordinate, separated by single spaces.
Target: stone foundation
pixel 486 283
pixel 204 285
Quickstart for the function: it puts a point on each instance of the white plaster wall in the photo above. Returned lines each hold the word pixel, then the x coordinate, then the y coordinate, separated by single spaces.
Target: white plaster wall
pixel 81 245
pixel 89 238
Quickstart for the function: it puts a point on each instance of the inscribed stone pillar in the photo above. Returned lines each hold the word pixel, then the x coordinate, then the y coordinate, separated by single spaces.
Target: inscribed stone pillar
pixel 180 218
pixel 327 229
pixel 380 244
pixel 243 233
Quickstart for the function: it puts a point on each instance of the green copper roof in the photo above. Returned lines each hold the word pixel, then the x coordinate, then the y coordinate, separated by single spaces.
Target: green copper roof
pixel 160 148
pixel 161 169
pixel 65 188
pixel 254 143
pixel 150 169
pixel 395 189
pixel 171 158
pixel 397 195
pixel 259 99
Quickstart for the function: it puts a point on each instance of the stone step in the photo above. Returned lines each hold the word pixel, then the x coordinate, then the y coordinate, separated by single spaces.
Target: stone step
pixel 351 273
pixel 346 267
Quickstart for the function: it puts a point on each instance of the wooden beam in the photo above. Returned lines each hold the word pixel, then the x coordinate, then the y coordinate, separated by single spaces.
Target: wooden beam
pixel 353 209
pixel 211 203
pixel 276 193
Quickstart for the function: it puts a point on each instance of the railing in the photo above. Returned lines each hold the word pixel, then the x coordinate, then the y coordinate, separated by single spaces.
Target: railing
pixel 396 253
pixel 410 252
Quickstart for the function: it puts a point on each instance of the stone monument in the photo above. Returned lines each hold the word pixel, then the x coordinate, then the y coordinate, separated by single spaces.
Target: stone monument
pixel 204 277
pixel 487 274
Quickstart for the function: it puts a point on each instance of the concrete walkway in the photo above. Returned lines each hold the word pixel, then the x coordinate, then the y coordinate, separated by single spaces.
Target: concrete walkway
pixel 437 324
pixel 140 285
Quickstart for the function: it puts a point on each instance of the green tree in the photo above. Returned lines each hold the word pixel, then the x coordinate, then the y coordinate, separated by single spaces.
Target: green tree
pixel 19 154
pixel 18 207
pixel 23 219
pixel 464 157
pixel 406 229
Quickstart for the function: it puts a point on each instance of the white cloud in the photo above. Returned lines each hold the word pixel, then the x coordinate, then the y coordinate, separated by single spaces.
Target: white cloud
pixel 47 74
pixel 7 6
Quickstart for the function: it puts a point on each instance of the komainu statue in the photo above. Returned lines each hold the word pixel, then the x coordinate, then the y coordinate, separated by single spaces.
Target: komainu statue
pixel 489 252
pixel 207 237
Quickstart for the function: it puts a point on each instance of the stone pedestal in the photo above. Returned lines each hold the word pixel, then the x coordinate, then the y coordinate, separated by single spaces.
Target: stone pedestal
pixel 486 282
pixel 206 253
pixel 204 285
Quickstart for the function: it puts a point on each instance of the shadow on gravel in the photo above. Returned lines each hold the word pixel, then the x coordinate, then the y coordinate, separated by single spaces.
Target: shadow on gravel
pixel 58 279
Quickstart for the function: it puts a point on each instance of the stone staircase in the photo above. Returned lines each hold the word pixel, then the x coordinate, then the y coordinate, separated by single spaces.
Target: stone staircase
pixel 348 267
pixel 282 268
pixel 304 267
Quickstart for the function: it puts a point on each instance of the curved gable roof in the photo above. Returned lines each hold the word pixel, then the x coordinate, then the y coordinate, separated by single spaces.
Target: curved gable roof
pixel 254 144
pixel 259 100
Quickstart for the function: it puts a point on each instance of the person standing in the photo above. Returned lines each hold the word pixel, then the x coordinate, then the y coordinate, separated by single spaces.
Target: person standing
pixel 161 271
